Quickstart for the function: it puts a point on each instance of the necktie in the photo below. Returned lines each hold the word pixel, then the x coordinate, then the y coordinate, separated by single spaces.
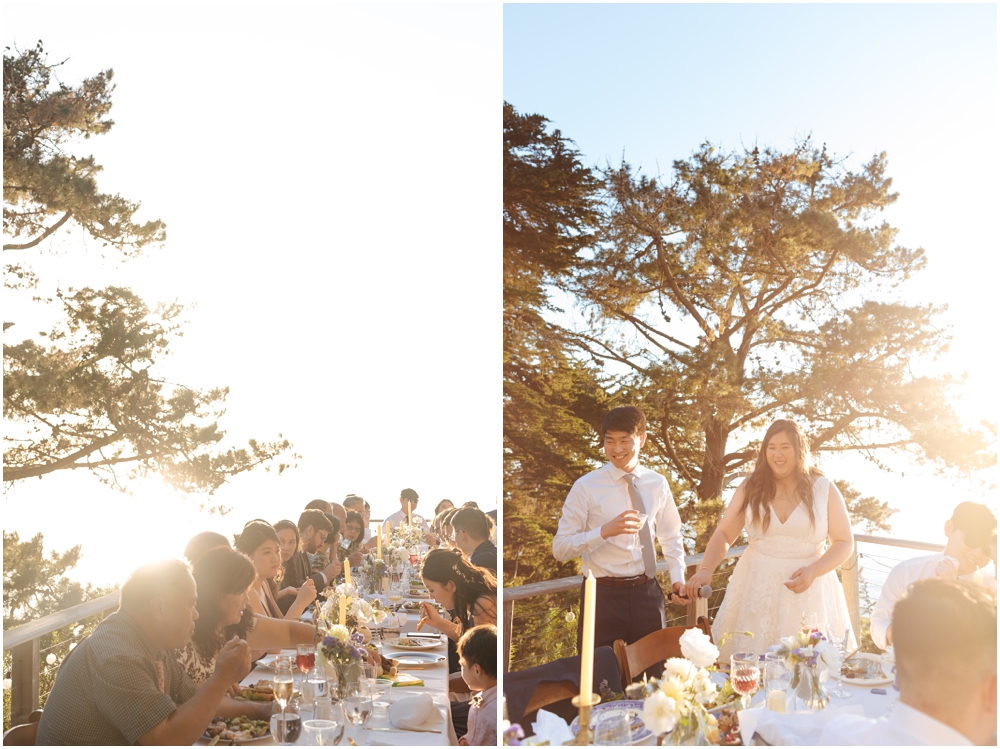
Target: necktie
pixel 645 537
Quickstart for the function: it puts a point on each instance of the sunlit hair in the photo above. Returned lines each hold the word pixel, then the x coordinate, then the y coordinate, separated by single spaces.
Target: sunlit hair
pixel 355 517
pixel 628 419
pixel 471 582
pixel 759 487
pixel 254 535
pixel 478 647
pixel 473 521
pixel 944 634
pixel 154 580
pixel 441 506
pixel 288 525
pixel 220 572
pixel 202 542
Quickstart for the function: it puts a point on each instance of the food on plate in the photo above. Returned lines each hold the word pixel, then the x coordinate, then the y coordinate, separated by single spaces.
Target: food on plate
pixel 729 726
pixel 262 691
pixel 862 668
pixel 238 729
pixel 412 606
pixel 410 642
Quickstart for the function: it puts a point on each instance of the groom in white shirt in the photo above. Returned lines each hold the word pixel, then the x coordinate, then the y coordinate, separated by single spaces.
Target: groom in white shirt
pixel 971 531
pixel 601 517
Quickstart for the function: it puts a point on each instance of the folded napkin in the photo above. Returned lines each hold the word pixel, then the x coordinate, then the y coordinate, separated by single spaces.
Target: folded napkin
pixel 550 727
pixel 414 712
pixel 790 729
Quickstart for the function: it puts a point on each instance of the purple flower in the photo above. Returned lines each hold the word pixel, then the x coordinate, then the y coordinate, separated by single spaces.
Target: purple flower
pixel 328 641
pixel 513 735
pixel 815 637
pixel 358 637
pixel 812 659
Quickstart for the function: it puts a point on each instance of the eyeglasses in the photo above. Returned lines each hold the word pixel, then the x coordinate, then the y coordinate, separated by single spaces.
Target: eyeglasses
pixel 354 527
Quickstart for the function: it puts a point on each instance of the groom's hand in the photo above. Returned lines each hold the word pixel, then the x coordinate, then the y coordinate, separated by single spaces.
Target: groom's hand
pixel 678 597
pixel 627 522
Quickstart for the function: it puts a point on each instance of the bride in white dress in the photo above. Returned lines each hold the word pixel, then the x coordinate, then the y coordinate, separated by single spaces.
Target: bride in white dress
pixel 789 510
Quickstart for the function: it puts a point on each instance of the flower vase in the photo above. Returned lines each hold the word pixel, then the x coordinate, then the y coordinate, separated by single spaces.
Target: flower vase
pixel 688 732
pixel 810 693
pixel 344 673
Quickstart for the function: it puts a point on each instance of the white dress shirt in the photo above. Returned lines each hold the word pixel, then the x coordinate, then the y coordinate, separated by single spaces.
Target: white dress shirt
pixel 898 580
pixel 399 517
pixel 602 495
pixel 904 726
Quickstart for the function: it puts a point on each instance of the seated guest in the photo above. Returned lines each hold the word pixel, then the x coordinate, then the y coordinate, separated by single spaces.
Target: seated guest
pixel 447 530
pixel 444 504
pixel 122 685
pixel 288 544
pixel 354 537
pixel 492 515
pixel 224 578
pixel 409 498
pixel 970 532
pixel 324 553
pixel 313 529
pixel 477 652
pixel 338 512
pixel 259 542
pixel 202 542
pixel 945 646
pixel 472 535
pixel 320 504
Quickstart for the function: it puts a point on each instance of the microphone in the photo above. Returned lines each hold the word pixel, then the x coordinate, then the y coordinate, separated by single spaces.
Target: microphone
pixel 705 591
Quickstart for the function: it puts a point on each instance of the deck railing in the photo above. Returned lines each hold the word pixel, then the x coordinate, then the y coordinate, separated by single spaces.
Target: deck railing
pixel 849 575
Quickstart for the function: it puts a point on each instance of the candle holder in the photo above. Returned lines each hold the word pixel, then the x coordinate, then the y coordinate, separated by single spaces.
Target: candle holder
pixel 585 737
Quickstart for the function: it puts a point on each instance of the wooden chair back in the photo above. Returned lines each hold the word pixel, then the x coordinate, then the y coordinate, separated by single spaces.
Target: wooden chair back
pixel 653 648
pixel 550 692
pixel 24 734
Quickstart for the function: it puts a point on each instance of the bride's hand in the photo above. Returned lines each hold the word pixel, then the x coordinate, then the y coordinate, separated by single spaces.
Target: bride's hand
pixel 801 579
pixel 696 582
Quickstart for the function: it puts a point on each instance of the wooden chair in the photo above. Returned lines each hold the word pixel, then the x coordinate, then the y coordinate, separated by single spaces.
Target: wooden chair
pixel 653 648
pixel 24 734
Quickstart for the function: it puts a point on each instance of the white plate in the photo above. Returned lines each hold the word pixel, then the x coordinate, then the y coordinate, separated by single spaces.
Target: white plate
pixel 425 643
pixel 416 659
pixel 867 682
pixel 419 594
pixel 267 662
pixel 632 707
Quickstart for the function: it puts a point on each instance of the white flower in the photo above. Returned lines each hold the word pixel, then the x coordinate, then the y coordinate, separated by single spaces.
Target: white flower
pixel 339 632
pixel 704 688
pixel 678 668
pixel 697 647
pixel 379 615
pixel 677 689
pixel 829 655
pixel 659 713
pixel 348 591
pixel 50 658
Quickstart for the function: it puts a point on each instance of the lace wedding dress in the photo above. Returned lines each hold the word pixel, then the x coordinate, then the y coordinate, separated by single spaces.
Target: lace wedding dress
pixel 757 600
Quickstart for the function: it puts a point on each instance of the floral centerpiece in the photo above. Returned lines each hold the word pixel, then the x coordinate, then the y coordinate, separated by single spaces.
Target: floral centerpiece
pixel 340 652
pixel 371 571
pixel 407 536
pixel 677 703
pixel 358 612
pixel 804 653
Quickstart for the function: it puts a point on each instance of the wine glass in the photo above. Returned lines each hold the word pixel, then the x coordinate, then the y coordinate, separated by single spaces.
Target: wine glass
pixel 744 675
pixel 839 640
pixel 286 724
pixel 284 684
pixel 357 704
pixel 634 542
pixel 329 730
pixel 394 595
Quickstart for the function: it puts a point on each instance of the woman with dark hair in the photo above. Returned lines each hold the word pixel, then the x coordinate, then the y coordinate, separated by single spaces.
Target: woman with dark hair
pixel 224 578
pixel 259 542
pixel 469 592
pixel 202 542
pixel 354 537
pixel 790 511
pixel 288 543
pixel 444 504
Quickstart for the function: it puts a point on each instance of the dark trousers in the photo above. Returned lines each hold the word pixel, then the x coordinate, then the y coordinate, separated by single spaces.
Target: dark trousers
pixel 625 614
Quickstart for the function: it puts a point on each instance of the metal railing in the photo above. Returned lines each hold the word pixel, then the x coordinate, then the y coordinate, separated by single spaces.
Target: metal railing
pixel 850 575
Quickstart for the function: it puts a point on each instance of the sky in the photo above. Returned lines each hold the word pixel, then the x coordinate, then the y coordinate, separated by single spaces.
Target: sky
pixel 650 83
pixel 329 176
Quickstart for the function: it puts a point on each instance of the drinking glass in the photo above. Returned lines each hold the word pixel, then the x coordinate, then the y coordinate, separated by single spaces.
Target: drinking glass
pixel 744 675
pixel 613 729
pixel 286 725
pixel 634 542
pixel 357 703
pixel 326 732
pixel 839 641
pixel 370 678
pixel 314 686
pixel 284 684
pixel 394 595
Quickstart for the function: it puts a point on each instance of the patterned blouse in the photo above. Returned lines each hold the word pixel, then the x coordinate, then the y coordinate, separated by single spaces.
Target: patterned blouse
pixel 195 664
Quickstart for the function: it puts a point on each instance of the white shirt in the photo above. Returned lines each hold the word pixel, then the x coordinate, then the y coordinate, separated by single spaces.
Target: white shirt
pixel 396 518
pixel 904 726
pixel 898 580
pixel 602 495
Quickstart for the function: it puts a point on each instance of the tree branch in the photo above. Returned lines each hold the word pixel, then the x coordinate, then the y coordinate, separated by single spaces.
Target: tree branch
pixel 681 296
pixel 37 240
pixel 16 473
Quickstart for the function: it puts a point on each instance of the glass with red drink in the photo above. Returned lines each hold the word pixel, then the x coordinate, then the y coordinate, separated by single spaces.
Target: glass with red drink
pixel 744 675
pixel 305 658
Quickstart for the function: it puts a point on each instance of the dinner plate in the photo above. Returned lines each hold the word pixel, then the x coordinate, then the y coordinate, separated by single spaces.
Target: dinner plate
pixel 419 594
pixel 267 735
pixel 413 643
pixel 632 708
pixel 267 662
pixel 416 659
pixel 874 682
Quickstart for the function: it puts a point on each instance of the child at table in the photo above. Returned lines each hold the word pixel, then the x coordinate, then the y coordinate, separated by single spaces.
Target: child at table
pixel 477 652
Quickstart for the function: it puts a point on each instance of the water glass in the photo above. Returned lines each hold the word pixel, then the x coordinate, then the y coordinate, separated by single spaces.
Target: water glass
pixel 839 640
pixel 614 728
pixel 325 732
pixel 286 725
pixel 357 703
pixel 634 542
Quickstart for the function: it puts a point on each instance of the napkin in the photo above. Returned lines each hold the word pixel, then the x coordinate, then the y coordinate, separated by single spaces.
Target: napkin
pixel 550 727
pixel 414 712
pixel 790 729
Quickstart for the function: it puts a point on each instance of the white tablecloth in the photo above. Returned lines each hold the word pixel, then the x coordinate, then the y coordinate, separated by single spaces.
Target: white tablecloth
pixel 435 679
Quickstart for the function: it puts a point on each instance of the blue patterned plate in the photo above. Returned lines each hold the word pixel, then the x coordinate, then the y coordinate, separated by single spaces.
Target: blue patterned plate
pixel 632 707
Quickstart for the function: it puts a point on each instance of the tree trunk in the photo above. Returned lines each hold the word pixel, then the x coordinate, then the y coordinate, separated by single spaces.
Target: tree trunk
pixel 713 472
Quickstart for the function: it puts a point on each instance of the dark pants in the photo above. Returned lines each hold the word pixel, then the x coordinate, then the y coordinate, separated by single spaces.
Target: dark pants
pixel 625 614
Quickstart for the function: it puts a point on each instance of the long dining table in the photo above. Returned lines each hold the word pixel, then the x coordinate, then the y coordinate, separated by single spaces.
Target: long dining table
pixel 436 684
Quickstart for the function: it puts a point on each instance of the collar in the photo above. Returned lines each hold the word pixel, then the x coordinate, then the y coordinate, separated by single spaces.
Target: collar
pixel 142 639
pixel 617 473
pixel 931 731
pixel 486 545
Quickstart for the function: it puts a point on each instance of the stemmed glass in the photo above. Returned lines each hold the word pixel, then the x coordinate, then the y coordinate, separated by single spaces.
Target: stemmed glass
pixel 327 730
pixel 305 659
pixel 357 703
pixel 284 683
pixel 744 675
pixel 286 724
pixel 613 729
pixel 634 540
pixel 839 641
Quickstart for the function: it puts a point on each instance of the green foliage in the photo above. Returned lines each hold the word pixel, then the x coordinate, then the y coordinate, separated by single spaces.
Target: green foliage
pixel 34 585
pixel 873 513
pixel 86 394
